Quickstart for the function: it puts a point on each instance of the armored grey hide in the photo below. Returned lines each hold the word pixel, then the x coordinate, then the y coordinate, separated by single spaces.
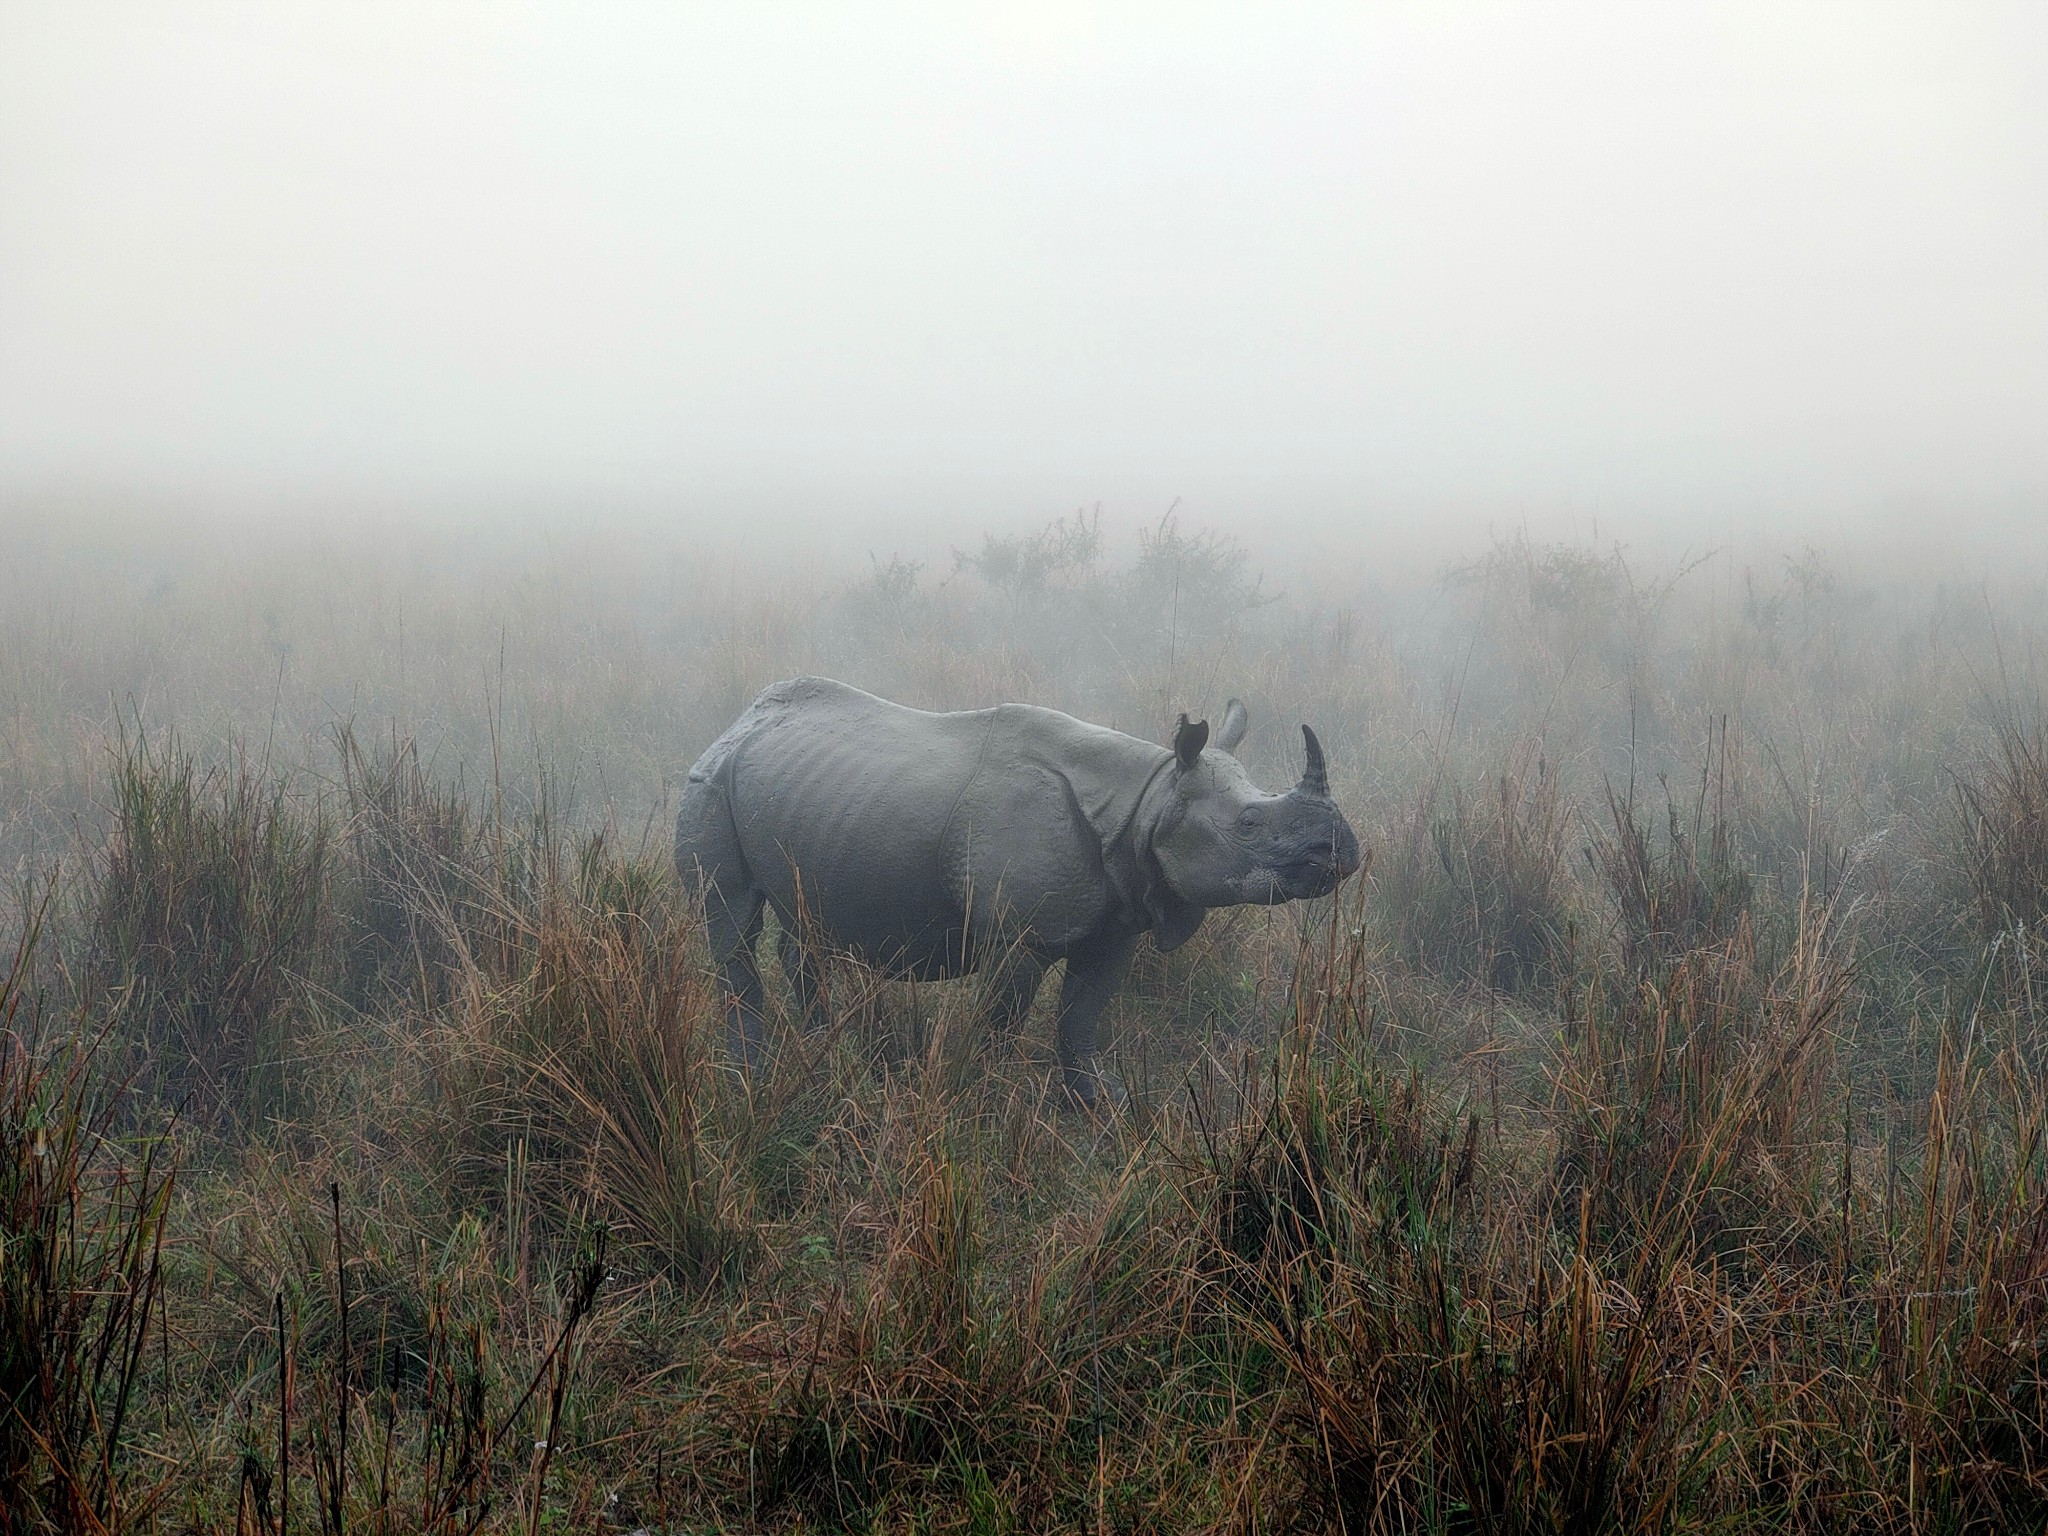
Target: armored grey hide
pixel 1003 839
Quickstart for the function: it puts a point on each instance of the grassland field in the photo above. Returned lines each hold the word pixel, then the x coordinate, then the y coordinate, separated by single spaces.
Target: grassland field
pixel 1651 1138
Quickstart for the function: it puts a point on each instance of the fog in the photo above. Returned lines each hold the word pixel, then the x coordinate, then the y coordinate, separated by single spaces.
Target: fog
pixel 1579 469
pixel 885 277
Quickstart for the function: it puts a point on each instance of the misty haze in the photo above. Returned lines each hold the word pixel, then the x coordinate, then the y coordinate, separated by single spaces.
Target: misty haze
pixel 483 1048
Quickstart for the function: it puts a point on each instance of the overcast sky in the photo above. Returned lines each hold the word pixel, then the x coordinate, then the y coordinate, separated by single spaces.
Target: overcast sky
pixel 1382 262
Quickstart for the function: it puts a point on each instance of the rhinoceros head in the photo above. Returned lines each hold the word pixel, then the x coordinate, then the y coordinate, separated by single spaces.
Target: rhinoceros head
pixel 1222 841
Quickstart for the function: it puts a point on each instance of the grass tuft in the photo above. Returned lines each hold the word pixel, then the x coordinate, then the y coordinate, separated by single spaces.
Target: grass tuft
pixel 1687 894
pixel 83 1215
pixel 1475 889
pixel 208 923
pixel 2001 830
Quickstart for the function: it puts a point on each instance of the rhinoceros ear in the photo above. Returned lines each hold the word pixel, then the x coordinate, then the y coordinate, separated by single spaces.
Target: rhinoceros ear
pixel 1235 722
pixel 1188 741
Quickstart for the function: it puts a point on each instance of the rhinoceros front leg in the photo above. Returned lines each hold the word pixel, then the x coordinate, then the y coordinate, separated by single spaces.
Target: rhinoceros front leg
pixel 1013 985
pixel 1094 973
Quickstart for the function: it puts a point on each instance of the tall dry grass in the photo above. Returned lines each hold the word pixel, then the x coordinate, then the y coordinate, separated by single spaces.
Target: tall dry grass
pixel 1681 891
pixel 1599 1163
pixel 83 1214
pixel 1475 880
pixel 2001 827
pixel 208 912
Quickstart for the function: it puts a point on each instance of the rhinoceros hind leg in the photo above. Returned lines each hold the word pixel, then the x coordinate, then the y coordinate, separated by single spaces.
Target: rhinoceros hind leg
pixel 734 930
pixel 710 863
pixel 1013 987
pixel 805 968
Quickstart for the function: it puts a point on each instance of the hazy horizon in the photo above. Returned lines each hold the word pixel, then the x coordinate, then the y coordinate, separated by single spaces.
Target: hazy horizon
pixel 1421 271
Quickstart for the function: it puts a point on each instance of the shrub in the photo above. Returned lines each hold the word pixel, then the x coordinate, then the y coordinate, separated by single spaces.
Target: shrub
pixel 2001 830
pixel 1669 900
pixel 424 1427
pixel 592 1056
pixel 1691 1103
pixel 1476 890
pixel 1438 1358
pixel 1024 566
pixel 894 1388
pixel 82 1220
pixel 414 854
pixel 208 921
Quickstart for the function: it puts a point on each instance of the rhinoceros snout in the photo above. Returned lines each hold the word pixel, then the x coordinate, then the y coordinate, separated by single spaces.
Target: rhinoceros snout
pixel 1320 872
pixel 1307 881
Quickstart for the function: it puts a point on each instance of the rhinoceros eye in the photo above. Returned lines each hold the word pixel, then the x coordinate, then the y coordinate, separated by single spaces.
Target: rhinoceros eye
pixel 1249 817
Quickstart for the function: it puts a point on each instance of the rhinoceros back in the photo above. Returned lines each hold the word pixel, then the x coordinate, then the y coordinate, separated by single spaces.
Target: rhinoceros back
pixel 894 829
pixel 838 804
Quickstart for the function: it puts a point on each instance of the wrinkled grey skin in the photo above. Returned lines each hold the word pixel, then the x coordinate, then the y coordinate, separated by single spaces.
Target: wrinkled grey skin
pixel 932 845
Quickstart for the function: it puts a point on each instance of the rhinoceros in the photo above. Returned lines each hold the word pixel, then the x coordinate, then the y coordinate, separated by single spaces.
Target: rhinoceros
pixel 935 845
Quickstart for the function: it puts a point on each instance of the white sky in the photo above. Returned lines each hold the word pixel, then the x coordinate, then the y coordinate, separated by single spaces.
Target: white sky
pixel 1383 263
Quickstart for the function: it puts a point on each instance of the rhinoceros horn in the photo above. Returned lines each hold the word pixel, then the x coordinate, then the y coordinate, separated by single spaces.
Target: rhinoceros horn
pixel 1315 777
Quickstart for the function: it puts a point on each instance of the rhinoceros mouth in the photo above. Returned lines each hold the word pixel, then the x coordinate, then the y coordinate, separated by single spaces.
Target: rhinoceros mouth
pixel 1295 880
pixel 1317 875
